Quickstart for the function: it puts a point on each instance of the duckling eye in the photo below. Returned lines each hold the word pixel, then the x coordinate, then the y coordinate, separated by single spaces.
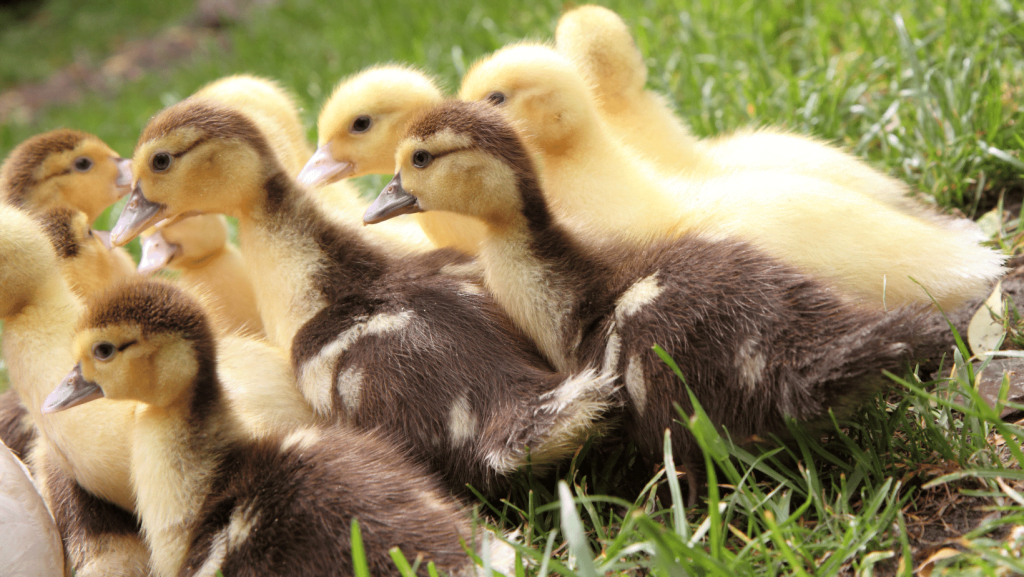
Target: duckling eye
pixel 103 351
pixel 361 124
pixel 421 158
pixel 83 163
pixel 160 162
pixel 496 98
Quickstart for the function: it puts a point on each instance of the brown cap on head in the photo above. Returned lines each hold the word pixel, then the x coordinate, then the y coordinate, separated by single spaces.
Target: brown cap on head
pixel 59 224
pixel 212 119
pixel 155 306
pixel 16 174
pixel 484 124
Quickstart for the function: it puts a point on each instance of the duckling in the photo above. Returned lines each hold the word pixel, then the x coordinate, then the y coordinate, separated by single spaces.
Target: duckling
pixel 87 260
pixel 869 251
pixel 598 41
pixel 600 45
pixel 756 340
pixel 64 167
pixel 211 498
pixel 359 127
pixel 199 248
pixel 31 543
pixel 408 344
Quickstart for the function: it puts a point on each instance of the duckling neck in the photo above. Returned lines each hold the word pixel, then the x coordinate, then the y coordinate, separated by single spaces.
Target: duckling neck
pixel 91 445
pixel 300 259
pixel 525 269
pixel 225 285
pixel 176 454
pixel 599 188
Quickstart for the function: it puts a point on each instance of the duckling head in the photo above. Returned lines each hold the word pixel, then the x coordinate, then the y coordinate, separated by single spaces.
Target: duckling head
pixel 461 157
pixel 141 340
pixel 25 257
pixel 195 157
pixel 64 168
pixel 540 90
pixel 361 123
pixel 599 43
pixel 87 258
pixel 184 243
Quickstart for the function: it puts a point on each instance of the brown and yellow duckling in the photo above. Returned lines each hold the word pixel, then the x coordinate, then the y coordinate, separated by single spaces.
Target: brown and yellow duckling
pixel 756 341
pixel 213 498
pixel 405 344
pixel 64 168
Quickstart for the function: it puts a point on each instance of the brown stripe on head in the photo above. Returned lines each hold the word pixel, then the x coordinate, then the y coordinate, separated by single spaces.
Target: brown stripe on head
pixel 485 125
pixel 211 120
pixel 155 306
pixel 59 226
pixel 17 175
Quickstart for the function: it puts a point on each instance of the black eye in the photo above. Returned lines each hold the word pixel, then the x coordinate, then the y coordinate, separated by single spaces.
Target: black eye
pixel 83 163
pixel 160 162
pixel 421 158
pixel 361 124
pixel 496 98
pixel 103 351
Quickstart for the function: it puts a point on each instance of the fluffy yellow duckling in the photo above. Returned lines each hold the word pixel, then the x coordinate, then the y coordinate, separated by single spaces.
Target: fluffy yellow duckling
pixel 210 265
pixel 210 497
pixel 599 43
pixel 64 168
pixel 597 187
pixel 88 261
pixel 359 128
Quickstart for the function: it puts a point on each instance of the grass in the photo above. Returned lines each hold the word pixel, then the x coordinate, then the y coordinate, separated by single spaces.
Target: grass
pixel 927 91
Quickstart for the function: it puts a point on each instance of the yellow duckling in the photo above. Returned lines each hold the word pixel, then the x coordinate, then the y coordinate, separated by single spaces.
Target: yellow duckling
pixel 210 497
pixel 359 128
pixel 599 43
pixel 600 189
pixel 210 265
